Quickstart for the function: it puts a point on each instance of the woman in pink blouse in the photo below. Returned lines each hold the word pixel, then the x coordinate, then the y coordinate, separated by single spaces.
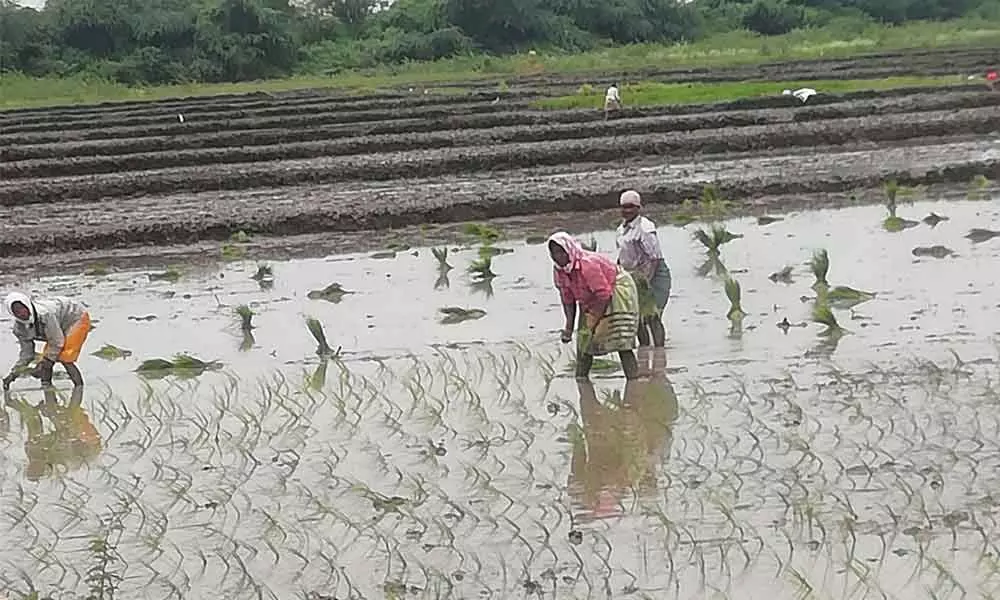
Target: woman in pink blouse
pixel 607 297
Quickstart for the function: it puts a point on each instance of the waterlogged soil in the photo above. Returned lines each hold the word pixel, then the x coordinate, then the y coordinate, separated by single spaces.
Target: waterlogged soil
pixel 354 206
pixel 462 460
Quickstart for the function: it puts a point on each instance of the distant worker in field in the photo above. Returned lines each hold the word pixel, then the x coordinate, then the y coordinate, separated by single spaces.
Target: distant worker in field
pixel 640 254
pixel 992 80
pixel 612 100
pixel 607 298
pixel 62 323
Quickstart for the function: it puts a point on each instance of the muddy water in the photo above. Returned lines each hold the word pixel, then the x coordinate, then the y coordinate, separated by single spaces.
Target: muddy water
pixel 823 473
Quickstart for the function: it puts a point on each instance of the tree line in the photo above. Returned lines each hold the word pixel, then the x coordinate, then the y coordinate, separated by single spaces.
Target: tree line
pixel 167 41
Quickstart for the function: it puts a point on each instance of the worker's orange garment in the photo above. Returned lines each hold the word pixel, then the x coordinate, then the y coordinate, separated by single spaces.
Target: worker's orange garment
pixel 75 338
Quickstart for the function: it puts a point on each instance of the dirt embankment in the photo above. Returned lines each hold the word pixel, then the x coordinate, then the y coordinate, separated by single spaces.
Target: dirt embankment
pixel 267 168
pixel 312 163
pixel 399 135
pixel 188 218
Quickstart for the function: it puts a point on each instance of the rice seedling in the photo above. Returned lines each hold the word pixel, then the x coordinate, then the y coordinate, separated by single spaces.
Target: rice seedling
pixel 933 219
pixel 264 272
pixel 481 269
pixel 171 274
pixel 233 252
pixel 893 223
pixel 766 220
pixel 823 315
pixel 647 302
pixel 844 297
pixel 246 318
pixel 936 251
pixel 441 254
pixel 715 237
pixel 97 270
pixel 820 267
pixel 240 237
pixel 978 188
pixel 712 265
pixel 183 365
pixel 110 352
pixel 978 236
pixel 323 348
pixel 734 294
pixel 456 314
pixel 332 293
pixel 383 255
pixel 784 275
pixel 484 233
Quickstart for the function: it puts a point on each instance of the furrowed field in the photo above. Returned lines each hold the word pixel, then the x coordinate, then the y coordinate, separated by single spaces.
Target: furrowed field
pixel 838 441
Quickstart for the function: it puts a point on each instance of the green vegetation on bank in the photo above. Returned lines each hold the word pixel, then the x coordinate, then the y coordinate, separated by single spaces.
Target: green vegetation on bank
pixel 155 42
pixel 652 93
pixel 728 48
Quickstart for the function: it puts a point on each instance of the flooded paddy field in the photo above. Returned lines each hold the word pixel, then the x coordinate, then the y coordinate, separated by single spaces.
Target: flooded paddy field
pixel 462 460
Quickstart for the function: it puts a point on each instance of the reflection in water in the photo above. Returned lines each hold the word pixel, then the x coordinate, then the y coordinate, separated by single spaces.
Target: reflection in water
pixel 622 440
pixel 72 441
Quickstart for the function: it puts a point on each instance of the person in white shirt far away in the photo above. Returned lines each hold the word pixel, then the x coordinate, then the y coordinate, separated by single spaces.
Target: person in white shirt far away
pixel 640 254
pixel 612 100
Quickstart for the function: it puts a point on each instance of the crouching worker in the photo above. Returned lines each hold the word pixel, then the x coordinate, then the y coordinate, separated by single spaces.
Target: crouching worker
pixel 62 323
pixel 606 294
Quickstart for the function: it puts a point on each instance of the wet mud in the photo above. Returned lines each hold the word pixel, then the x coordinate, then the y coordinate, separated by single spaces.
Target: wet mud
pixel 234 147
pixel 313 162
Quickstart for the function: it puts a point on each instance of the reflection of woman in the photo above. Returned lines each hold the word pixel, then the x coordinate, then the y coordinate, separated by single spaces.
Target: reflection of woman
pixel 72 442
pixel 620 443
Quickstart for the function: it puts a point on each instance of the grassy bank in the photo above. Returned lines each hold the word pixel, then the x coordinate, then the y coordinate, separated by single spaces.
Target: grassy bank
pixel 652 93
pixel 837 40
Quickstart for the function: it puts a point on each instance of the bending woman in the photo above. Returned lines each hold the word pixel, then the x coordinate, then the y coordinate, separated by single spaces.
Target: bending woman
pixel 607 297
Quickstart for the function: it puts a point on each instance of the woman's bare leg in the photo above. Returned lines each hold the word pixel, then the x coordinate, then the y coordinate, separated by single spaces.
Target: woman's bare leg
pixel 629 364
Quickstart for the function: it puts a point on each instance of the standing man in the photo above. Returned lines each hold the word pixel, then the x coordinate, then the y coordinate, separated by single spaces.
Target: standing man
pixel 639 253
pixel 62 323
pixel 612 100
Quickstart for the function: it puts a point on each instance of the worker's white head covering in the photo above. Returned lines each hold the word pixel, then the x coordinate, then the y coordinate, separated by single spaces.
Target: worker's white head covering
pixel 17 297
pixel 630 198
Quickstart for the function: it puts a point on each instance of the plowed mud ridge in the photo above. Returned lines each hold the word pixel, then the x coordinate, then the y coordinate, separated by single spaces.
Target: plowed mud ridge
pixel 193 169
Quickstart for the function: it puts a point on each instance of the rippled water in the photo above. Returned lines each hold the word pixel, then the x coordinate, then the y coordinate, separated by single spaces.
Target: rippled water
pixel 462 461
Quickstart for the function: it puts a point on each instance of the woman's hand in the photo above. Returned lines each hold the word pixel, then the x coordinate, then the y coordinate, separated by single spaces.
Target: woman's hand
pixel 566 336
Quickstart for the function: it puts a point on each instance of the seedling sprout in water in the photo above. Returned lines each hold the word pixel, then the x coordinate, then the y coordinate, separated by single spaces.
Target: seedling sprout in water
pixel 482 268
pixel 441 254
pixel 734 294
pixel 894 223
pixel 820 267
pixel 323 348
pixel 246 326
pixel 715 237
pixel 823 315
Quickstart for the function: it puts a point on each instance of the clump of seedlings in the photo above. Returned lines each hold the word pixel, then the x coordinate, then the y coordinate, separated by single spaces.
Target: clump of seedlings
pixel 265 272
pixel 323 348
pixel 894 223
pixel 233 251
pixel 977 187
pixel 715 237
pixel 819 264
pixel 485 233
pixel 784 275
pixel 840 296
pixel 823 315
pixel 846 297
pixel 183 365
pixel 734 294
pixel 981 235
pixel 481 269
pixel 246 326
pixel 933 219
pixel 110 352
pixel 97 270
pixel 172 274
pixel 240 237
pixel 937 251
pixel 331 293
pixel 441 254
pixel 456 314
